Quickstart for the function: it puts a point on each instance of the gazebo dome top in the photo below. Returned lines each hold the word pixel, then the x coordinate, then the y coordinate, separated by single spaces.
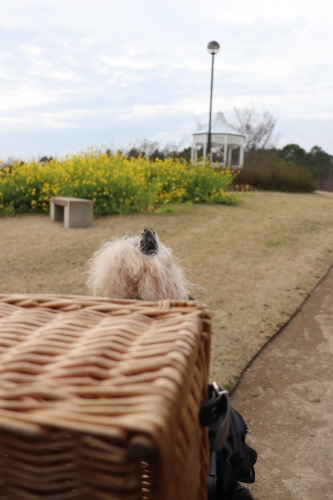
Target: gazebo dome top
pixel 220 126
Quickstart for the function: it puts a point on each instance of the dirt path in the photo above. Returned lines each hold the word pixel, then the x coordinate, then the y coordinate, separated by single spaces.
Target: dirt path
pixel 286 398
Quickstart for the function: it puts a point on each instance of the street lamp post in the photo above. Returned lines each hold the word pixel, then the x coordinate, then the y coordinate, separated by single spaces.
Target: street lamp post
pixel 213 48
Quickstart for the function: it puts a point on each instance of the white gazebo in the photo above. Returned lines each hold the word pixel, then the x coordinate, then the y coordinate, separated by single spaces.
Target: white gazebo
pixel 222 136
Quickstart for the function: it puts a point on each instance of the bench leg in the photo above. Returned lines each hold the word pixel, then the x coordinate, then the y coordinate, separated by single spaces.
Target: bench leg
pixel 57 212
pixel 78 214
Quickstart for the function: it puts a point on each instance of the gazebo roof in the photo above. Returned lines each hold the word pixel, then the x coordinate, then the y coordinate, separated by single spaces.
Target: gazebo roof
pixel 220 126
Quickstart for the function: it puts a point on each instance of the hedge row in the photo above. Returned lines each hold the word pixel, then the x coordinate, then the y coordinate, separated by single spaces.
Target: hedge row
pixel 269 172
pixel 116 184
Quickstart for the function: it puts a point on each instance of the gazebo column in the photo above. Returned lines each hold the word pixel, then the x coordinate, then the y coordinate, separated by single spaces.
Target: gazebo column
pixel 241 156
pixel 225 151
pixel 230 156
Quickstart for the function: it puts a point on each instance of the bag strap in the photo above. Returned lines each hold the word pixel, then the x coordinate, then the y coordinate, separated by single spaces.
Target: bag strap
pixel 215 413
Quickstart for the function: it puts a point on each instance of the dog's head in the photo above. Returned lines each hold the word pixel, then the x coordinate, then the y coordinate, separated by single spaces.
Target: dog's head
pixel 137 267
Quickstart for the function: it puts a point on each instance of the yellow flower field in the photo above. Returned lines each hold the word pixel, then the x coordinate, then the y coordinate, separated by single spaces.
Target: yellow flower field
pixel 116 184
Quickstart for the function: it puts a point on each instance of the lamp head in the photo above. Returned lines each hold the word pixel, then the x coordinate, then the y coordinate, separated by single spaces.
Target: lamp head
pixel 213 48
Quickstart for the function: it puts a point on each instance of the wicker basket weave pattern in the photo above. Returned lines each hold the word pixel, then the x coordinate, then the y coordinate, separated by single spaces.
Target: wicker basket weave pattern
pixel 99 399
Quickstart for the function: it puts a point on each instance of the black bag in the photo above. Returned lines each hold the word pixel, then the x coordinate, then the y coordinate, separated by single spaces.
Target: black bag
pixel 231 458
pixel 237 458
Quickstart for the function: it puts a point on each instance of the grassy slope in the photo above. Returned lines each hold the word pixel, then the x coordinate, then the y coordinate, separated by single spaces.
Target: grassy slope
pixel 257 262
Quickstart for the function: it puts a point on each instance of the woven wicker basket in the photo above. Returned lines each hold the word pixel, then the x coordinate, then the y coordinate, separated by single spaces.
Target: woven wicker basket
pixel 99 399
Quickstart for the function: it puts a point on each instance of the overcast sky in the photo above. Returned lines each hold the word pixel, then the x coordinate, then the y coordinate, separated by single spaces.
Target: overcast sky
pixel 80 73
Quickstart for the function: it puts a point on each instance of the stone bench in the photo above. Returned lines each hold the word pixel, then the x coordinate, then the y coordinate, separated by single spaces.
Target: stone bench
pixel 75 212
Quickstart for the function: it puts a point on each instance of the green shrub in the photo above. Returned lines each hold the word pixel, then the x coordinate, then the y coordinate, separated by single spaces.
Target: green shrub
pixel 276 175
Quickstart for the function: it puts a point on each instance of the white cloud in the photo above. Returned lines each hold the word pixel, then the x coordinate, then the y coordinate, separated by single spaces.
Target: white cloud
pixel 25 97
pixel 126 62
pixel 83 65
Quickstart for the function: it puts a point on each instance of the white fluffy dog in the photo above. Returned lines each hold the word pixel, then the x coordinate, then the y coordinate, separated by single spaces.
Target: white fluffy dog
pixel 137 267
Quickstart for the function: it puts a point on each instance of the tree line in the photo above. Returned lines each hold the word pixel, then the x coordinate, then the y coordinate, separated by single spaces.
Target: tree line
pixel 258 127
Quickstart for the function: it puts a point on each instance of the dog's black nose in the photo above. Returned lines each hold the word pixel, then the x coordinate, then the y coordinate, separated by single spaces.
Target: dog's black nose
pixel 148 243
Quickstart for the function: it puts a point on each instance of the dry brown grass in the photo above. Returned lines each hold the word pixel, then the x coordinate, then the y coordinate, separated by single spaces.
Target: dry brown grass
pixel 257 262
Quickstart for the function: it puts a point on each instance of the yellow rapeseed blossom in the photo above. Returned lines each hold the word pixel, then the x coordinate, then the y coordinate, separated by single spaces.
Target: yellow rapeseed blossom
pixel 115 183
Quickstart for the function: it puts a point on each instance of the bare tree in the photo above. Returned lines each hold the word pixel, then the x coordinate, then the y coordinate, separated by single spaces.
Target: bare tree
pixel 199 124
pixel 153 150
pixel 257 127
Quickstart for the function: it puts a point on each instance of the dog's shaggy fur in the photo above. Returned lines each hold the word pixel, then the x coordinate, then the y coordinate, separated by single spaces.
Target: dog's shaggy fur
pixel 137 267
